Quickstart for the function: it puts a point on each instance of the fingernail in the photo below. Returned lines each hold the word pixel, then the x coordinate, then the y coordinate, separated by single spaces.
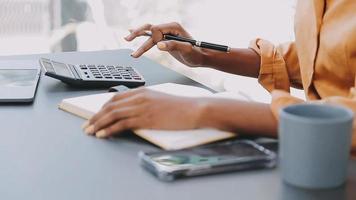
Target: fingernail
pixel 134 54
pixel 85 125
pixel 161 45
pixel 101 134
pixel 89 130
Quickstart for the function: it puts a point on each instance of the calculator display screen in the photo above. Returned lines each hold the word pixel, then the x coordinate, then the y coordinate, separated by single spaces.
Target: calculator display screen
pixel 62 69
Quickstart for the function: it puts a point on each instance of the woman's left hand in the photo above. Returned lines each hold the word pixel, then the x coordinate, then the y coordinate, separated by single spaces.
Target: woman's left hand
pixel 144 109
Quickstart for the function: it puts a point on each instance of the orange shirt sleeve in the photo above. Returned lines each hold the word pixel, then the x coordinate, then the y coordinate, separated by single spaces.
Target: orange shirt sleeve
pixel 279 67
pixel 280 70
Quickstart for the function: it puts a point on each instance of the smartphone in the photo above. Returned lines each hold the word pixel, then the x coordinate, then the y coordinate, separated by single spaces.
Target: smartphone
pixel 209 159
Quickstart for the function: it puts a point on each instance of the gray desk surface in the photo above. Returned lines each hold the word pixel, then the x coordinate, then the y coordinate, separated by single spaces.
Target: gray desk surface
pixel 45 155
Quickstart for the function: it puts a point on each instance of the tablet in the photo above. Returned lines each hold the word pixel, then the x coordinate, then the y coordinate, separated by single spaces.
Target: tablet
pixel 18 81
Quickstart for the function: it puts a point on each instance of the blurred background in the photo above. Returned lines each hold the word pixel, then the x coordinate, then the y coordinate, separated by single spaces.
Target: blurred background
pixel 43 26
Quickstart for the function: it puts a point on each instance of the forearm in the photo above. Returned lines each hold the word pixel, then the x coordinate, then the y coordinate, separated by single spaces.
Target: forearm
pixel 238 116
pixel 245 62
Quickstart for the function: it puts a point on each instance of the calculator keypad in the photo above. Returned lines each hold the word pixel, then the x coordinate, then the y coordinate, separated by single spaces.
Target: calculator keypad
pixel 110 72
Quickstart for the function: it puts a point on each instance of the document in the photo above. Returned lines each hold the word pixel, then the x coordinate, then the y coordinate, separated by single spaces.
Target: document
pixel 87 106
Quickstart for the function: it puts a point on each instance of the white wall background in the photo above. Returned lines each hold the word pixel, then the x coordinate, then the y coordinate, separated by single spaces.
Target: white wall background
pixel 230 22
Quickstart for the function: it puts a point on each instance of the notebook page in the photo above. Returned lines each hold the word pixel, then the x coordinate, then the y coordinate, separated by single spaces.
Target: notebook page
pixel 86 106
pixel 89 105
pixel 181 90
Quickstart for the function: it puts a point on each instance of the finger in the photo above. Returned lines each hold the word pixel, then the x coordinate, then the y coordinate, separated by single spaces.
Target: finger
pixel 128 102
pixel 109 107
pixel 173 28
pixel 117 115
pixel 127 94
pixel 138 32
pixel 144 48
pixel 183 47
pixel 125 124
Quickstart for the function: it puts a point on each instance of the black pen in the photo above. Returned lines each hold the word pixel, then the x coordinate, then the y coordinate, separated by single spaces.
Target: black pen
pixel 196 43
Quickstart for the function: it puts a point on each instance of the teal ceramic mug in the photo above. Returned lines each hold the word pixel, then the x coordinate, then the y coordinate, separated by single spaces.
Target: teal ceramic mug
pixel 314 145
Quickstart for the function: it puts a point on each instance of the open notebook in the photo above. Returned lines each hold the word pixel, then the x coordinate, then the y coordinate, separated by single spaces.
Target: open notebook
pixel 87 106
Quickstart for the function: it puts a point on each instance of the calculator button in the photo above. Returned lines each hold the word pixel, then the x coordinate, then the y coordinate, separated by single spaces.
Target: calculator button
pixel 109 72
pixel 83 67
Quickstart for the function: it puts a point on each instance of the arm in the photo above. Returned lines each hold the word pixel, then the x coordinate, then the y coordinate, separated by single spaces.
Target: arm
pixel 146 109
pixel 276 67
pixel 244 62
pixel 238 116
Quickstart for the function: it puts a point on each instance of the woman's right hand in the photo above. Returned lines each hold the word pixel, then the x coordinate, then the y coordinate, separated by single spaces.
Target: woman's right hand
pixel 184 52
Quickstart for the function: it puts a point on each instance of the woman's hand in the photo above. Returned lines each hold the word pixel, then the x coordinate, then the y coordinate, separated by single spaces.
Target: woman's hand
pixel 144 109
pixel 182 51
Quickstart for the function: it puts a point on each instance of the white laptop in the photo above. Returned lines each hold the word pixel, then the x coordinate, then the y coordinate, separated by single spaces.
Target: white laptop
pixel 19 80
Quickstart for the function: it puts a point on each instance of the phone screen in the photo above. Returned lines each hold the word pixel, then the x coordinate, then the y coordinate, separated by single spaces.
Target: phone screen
pixel 211 155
